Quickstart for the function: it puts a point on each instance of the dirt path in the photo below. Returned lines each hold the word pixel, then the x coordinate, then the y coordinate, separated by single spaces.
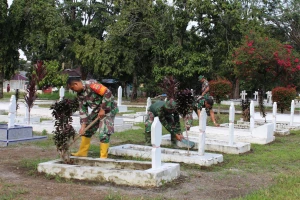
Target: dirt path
pixel 194 184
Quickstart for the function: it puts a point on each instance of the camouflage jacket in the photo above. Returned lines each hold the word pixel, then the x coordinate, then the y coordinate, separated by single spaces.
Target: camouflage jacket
pixel 170 121
pixel 199 104
pixel 96 96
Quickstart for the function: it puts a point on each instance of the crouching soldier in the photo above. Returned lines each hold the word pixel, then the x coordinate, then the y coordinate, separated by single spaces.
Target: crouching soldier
pixel 169 118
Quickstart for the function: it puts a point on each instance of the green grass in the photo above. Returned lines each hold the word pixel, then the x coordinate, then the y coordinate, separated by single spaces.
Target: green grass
pixel 10 191
pixel 53 96
pixel 280 160
pixel 31 165
pixel 115 195
pixel 44 144
pixel 286 187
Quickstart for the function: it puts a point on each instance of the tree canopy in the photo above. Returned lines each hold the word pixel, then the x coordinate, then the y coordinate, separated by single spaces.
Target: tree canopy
pixel 140 42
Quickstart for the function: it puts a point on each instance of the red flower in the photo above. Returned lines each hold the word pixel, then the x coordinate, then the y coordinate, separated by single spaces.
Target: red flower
pixel 250 43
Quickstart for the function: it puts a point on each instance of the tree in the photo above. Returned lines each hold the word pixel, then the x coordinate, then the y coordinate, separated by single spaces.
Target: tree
pixel 54 76
pixel 220 89
pixel 266 61
pixel 129 43
pixel 43 35
pixel 8 45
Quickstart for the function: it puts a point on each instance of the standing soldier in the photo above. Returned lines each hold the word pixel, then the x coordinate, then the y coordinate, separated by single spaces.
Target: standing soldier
pixel 100 99
pixel 204 89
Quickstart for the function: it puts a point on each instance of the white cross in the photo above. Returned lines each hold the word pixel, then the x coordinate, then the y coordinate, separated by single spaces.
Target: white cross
pixel 243 94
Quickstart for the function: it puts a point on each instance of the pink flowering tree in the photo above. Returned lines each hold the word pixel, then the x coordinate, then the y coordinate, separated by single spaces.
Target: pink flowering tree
pixel 266 61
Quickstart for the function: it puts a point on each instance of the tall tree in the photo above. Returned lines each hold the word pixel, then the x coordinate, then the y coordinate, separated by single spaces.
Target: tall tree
pixel 41 27
pixel 8 45
pixel 89 20
pixel 129 42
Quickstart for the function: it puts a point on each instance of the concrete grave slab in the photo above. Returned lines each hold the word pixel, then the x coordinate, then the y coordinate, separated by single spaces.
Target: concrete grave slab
pixel 122 172
pixel 167 155
pixel 262 135
pixel 211 144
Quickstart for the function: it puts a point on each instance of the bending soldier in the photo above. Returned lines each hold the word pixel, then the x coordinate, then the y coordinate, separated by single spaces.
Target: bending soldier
pixel 100 99
pixel 169 118
pixel 206 103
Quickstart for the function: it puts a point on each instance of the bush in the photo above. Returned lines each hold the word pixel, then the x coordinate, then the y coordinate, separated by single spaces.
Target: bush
pixel 283 96
pixel 219 89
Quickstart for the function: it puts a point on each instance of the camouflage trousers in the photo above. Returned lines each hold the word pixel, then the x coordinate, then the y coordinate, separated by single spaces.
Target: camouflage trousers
pixel 105 126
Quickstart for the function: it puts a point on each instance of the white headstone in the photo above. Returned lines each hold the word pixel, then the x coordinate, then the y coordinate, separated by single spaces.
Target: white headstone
pixel 61 93
pixel 148 104
pixel 255 95
pixel 231 124
pixel 156 137
pixel 202 128
pixel 251 116
pixel 243 94
pixel 269 97
pixel 12 111
pixel 192 91
pixel 119 96
pixel 274 114
pixel 292 112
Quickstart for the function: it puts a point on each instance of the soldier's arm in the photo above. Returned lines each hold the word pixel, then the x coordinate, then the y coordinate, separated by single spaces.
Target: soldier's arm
pixel 212 116
pixel 83 112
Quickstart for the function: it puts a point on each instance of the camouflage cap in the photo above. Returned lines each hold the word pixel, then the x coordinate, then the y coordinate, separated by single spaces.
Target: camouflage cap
pixel 170 104
pixel 200 77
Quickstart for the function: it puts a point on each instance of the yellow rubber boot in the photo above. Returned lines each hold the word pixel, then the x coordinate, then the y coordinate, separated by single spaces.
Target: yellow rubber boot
pixel 84 147
pixel 104 150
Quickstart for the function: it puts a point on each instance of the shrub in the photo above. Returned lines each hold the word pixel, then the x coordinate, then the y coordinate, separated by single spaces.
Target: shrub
pixel 283 96
pixel 64 131
pixel 219 89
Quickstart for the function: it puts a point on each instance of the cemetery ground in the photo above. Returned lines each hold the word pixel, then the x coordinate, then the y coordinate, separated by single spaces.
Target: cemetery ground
pixel 266 172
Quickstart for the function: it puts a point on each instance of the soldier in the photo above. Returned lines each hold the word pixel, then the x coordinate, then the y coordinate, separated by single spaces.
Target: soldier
pixel 205 86
pixel 169 118
pixel 100 99
pixel 204 90
pixel 206 103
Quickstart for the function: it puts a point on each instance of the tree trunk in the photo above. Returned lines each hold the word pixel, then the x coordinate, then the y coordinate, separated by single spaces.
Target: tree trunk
pixel 134 87
pixel 236 92
pixel 1 83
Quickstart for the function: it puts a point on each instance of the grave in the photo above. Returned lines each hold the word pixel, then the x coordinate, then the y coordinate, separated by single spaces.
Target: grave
pixel 174 155
pixel 138 116
pixel 124 172
pixel 11 133
pixel 252 134
pixel 225 144
pixel 283 123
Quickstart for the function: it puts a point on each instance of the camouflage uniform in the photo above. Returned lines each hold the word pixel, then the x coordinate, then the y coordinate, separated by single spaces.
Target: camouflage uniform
pixel 205 85
pixel 199 104
pixel 97 96
pixel 169 120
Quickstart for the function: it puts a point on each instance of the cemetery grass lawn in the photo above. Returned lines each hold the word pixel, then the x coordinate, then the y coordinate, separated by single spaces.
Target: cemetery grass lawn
pixel 266 172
